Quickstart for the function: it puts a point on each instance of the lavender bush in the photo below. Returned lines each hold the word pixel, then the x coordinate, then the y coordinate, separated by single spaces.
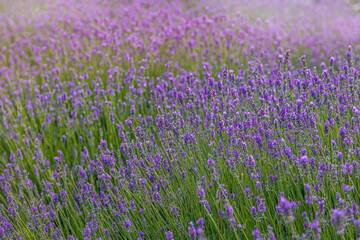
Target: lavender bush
pixel 179 120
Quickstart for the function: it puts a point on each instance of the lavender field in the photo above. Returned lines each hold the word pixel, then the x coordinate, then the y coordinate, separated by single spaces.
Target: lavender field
pixel 134 119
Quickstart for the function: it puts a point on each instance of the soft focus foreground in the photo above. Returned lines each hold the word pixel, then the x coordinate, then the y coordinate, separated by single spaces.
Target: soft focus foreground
pixel 180 120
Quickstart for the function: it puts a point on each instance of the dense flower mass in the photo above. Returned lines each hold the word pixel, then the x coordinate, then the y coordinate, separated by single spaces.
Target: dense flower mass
pixel 179 120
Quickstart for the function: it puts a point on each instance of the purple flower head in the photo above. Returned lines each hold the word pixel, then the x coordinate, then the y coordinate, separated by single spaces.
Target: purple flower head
pixel 19 153
pixel 339 157
pixel 357 226
pixel 192 231
pixel 316 229
pixel 286 210
pixel 129 123
pixel 256 233
pixel 338 221
pixel 200 228
pixel 169 235
pixel 127 223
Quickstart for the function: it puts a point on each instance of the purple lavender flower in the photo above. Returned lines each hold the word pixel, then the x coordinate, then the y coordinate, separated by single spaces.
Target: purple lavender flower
pixel 169 236
pixel 338 221
pixel 192 231
pixel 316 229
pixel 286 210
